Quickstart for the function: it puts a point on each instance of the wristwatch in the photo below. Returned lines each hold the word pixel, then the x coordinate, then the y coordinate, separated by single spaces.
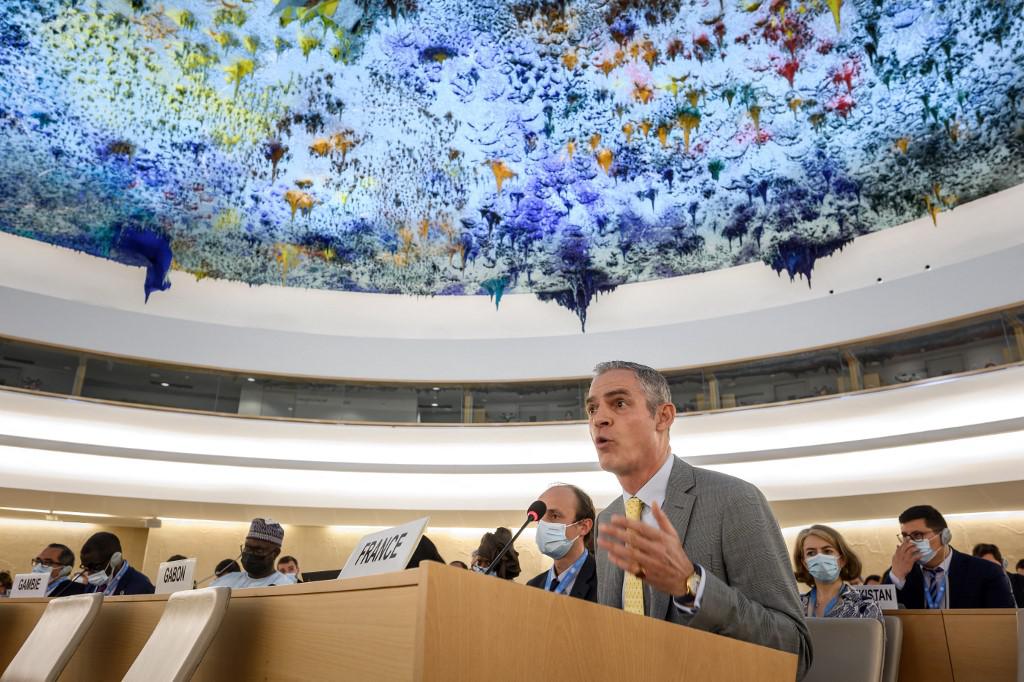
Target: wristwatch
pixel 693 583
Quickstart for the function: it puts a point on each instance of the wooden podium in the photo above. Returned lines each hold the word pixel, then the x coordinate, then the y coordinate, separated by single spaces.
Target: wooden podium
pixel 430 623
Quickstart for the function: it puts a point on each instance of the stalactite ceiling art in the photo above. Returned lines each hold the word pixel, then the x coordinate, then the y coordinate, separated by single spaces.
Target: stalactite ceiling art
pixel 486 147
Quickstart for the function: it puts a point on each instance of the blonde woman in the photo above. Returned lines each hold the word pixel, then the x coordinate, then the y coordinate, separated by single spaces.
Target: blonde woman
pixel 826 563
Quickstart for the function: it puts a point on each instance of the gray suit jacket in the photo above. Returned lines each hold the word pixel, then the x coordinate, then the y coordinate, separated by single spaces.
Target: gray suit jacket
pixel 728 528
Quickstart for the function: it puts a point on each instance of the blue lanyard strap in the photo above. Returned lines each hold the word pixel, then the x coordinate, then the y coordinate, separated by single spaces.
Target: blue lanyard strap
pixel 567 577
pixel 940 593
pixel 115 579
pixel 828 607
pixel 55 584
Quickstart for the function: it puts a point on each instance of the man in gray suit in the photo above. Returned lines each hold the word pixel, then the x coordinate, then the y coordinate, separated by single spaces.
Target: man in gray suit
pixel 707 550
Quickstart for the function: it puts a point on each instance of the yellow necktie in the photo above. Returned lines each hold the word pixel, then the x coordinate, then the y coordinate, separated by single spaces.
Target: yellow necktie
pixel 633 592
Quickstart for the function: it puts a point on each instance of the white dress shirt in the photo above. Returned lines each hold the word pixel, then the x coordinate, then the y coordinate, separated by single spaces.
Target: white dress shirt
pixel 653 491
pixel 241 579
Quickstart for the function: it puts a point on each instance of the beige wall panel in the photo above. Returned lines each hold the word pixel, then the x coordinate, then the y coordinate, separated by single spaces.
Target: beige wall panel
pixel 318 548
pixel 21 540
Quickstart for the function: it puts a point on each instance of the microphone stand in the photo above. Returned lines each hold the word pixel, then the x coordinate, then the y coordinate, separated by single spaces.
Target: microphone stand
pixel 504 550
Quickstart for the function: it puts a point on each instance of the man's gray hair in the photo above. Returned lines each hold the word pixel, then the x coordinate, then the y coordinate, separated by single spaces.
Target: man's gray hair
pixel 655 386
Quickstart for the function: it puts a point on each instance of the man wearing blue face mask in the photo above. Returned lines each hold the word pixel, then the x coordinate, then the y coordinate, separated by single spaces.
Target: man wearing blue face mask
pixel 566 535
pixel 929 574
pixel 107 570
pixel 57 561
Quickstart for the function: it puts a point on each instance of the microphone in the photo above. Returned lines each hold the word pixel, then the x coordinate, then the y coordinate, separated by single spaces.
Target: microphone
pixel 534 513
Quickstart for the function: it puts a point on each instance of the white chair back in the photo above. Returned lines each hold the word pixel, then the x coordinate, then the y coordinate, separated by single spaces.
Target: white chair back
pixel 181 637
pixel 54 639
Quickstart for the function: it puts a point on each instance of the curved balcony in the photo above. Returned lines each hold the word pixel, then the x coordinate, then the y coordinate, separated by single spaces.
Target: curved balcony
pixel 966 345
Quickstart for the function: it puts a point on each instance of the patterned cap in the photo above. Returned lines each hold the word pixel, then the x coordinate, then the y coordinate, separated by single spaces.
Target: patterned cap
pixel 266 529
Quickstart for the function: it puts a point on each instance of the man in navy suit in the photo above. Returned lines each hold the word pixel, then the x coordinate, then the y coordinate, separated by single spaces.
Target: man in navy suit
pixel 929 574
pixel 566 534
pixel 107 570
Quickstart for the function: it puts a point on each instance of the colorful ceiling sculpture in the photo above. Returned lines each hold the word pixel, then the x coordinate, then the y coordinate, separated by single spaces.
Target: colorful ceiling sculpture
pixel 486 146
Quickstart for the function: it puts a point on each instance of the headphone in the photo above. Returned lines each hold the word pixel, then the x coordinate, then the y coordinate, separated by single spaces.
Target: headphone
pixel 64 571
pixel 945 536
pixel 115 562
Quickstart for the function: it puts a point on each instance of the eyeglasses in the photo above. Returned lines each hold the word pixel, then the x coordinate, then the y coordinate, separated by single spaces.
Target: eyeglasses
pixel 47 563
pixel 252 551
pixel 916 536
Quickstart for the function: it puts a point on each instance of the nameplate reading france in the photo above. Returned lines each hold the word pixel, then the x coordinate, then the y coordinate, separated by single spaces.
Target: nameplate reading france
pixel 175 576
pixel 385 551
pixel 30 585
pixel 884 595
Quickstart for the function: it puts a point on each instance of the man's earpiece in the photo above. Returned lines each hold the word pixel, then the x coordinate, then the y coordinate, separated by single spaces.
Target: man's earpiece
pixel 115 562
pixel 945 536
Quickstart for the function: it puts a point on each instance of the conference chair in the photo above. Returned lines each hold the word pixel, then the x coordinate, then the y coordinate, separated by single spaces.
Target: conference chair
pixel 181 637
pixel 846 650
pixel 893 649
pixel 54 639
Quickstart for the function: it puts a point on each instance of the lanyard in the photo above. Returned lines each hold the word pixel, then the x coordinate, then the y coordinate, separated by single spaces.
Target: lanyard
pixel 567 577
pixel 55 584
pixel 114 579
pixel 814 602
pixel 937 602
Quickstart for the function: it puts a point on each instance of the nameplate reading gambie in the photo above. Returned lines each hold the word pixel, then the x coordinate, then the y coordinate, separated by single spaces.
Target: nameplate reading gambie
pixel 385 551
pixel 175 576
pixel 885 595
pixel 30 585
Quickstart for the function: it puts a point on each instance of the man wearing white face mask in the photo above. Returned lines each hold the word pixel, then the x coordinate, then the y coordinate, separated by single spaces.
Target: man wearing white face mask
pixel 566 535
pixel 107 570
pixel 929 574
pixel 57 561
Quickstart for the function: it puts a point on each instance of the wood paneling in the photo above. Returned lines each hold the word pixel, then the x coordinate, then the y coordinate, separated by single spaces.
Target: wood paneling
pixel 433 623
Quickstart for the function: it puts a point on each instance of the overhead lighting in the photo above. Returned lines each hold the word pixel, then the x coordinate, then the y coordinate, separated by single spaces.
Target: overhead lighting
pixel 250 379
pixel 433 404
pixel 164 384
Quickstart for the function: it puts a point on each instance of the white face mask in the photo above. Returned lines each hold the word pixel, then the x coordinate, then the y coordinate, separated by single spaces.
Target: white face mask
pixel 551 540
pixel 98 579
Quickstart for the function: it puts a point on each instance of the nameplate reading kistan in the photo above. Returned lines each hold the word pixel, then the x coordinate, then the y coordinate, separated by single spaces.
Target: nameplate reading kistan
pixel 885 595
pixel 385 551
pixel 30 585
pixel 175 576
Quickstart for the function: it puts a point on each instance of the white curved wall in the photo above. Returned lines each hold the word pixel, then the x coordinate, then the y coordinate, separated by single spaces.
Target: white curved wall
pixel 58 296
pixel 955 432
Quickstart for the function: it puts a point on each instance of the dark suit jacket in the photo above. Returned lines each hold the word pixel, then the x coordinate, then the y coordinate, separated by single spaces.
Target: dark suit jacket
pixel 585 586
pixel 973 584
pixel 132 582
pixel 748 588
pixel 68 588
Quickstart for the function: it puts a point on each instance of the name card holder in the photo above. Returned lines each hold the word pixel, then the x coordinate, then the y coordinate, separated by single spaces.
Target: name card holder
pixel 30 585
pixel 385 551
pixel 885 595
pixel 175 576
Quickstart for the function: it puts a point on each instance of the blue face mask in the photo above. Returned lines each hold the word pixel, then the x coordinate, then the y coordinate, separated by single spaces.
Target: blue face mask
pixel 551 540
pixel 926 550
pixel 823 567
pixel 41 568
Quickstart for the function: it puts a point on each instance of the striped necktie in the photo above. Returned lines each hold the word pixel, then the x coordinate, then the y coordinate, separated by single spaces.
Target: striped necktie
pixel 934 576
pixel 633 587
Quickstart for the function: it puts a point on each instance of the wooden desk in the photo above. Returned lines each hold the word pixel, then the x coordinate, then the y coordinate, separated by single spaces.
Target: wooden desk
pixel 958 645
pixel 430 623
